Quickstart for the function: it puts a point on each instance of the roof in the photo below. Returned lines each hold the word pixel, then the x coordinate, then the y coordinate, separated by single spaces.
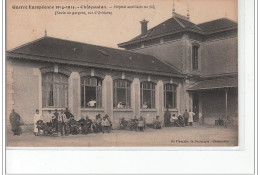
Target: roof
pixel 218 24
pixel 178 24
pixel 174 24
pixel 215 83
pixel 58 50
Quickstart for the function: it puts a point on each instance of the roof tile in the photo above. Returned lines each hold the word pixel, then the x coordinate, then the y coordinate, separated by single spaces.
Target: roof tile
pixel 53 48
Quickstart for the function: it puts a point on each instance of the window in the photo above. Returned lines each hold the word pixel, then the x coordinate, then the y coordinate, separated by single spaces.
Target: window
pixel 195 60
pixel 170 96
pixel 91 92
pixel 122 94
pixel 54 90
pixel 147 94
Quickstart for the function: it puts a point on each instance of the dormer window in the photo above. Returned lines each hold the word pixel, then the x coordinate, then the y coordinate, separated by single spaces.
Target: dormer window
pixel 195 58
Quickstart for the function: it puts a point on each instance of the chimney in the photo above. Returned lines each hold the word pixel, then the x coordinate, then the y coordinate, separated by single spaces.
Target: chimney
pixel 144 26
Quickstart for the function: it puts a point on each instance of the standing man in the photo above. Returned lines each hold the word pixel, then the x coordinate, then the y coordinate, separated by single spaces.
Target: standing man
pixel 55 122
pixel 62 123
pixel 37 117
pixel 48 118
pixel 191 114
pixel 68 114
pixel 167 116
pixel 186 117
pixel 15 121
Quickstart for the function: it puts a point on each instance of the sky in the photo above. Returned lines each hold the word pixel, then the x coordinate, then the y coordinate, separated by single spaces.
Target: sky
pixel 26 25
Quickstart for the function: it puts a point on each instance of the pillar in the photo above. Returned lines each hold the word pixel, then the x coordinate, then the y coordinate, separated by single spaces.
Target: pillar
pixel 107 97
pixel 135 97
pixel 74 95
pixel 178 99
pixel 159 99
pixel 187 96
pixel 226 106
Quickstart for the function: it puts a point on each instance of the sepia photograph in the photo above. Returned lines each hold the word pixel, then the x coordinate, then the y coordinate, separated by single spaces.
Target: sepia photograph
pixel 122 73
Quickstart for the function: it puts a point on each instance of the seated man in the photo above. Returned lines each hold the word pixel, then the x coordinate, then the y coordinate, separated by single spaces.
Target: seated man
pixel 123 123
pixel 173 118
pixel 92 103
pixel 106 124
pixel 140 124
pixel 97 124
pixel 107 116
pixel 145 105
pixel 120 105
pixel 82 125
pixel 157 124
pixel 73 126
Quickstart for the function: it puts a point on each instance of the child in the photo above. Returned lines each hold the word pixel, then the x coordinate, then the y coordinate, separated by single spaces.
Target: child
pixel 37 117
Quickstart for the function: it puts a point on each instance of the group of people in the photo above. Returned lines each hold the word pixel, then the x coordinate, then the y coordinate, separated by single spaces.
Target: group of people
pixel 102 124
pixel 187 118
pixel 64 122
pixel 137 124
pixel 57 121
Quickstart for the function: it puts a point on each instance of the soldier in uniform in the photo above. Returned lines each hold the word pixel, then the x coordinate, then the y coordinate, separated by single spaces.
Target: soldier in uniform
pixel 186 117
pixel 167 116
pixel 15 121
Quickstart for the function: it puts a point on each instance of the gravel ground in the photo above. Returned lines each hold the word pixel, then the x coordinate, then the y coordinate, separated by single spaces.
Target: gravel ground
pixel 196 135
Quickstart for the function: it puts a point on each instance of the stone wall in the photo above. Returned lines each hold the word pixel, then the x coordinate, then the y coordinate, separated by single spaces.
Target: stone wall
pixel 219 56
pixel 9 89
pixel 25 90
pixel 25 83
pixel 170 52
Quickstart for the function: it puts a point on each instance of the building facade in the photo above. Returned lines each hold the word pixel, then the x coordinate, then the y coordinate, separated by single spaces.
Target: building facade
pixel 51 73
pixel 207 54
pixel 176 65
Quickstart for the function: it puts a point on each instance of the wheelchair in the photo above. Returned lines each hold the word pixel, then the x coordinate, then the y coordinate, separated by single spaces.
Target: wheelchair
pixel 178 123
pixel 45 129
pixel 140 125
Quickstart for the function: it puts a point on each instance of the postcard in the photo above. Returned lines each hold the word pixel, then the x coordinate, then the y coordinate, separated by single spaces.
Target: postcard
pixel 139 73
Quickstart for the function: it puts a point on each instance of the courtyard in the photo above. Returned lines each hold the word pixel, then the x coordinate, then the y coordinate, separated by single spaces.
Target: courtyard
pixel 197 135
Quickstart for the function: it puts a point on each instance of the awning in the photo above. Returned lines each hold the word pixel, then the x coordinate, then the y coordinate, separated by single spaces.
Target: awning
pixel 216 83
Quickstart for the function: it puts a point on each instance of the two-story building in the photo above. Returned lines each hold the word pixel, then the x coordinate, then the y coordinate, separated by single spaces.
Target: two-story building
pixel 176 65
pixel 206 53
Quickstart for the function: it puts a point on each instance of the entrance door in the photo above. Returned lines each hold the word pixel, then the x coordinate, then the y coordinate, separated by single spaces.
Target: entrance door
pixel 196 107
